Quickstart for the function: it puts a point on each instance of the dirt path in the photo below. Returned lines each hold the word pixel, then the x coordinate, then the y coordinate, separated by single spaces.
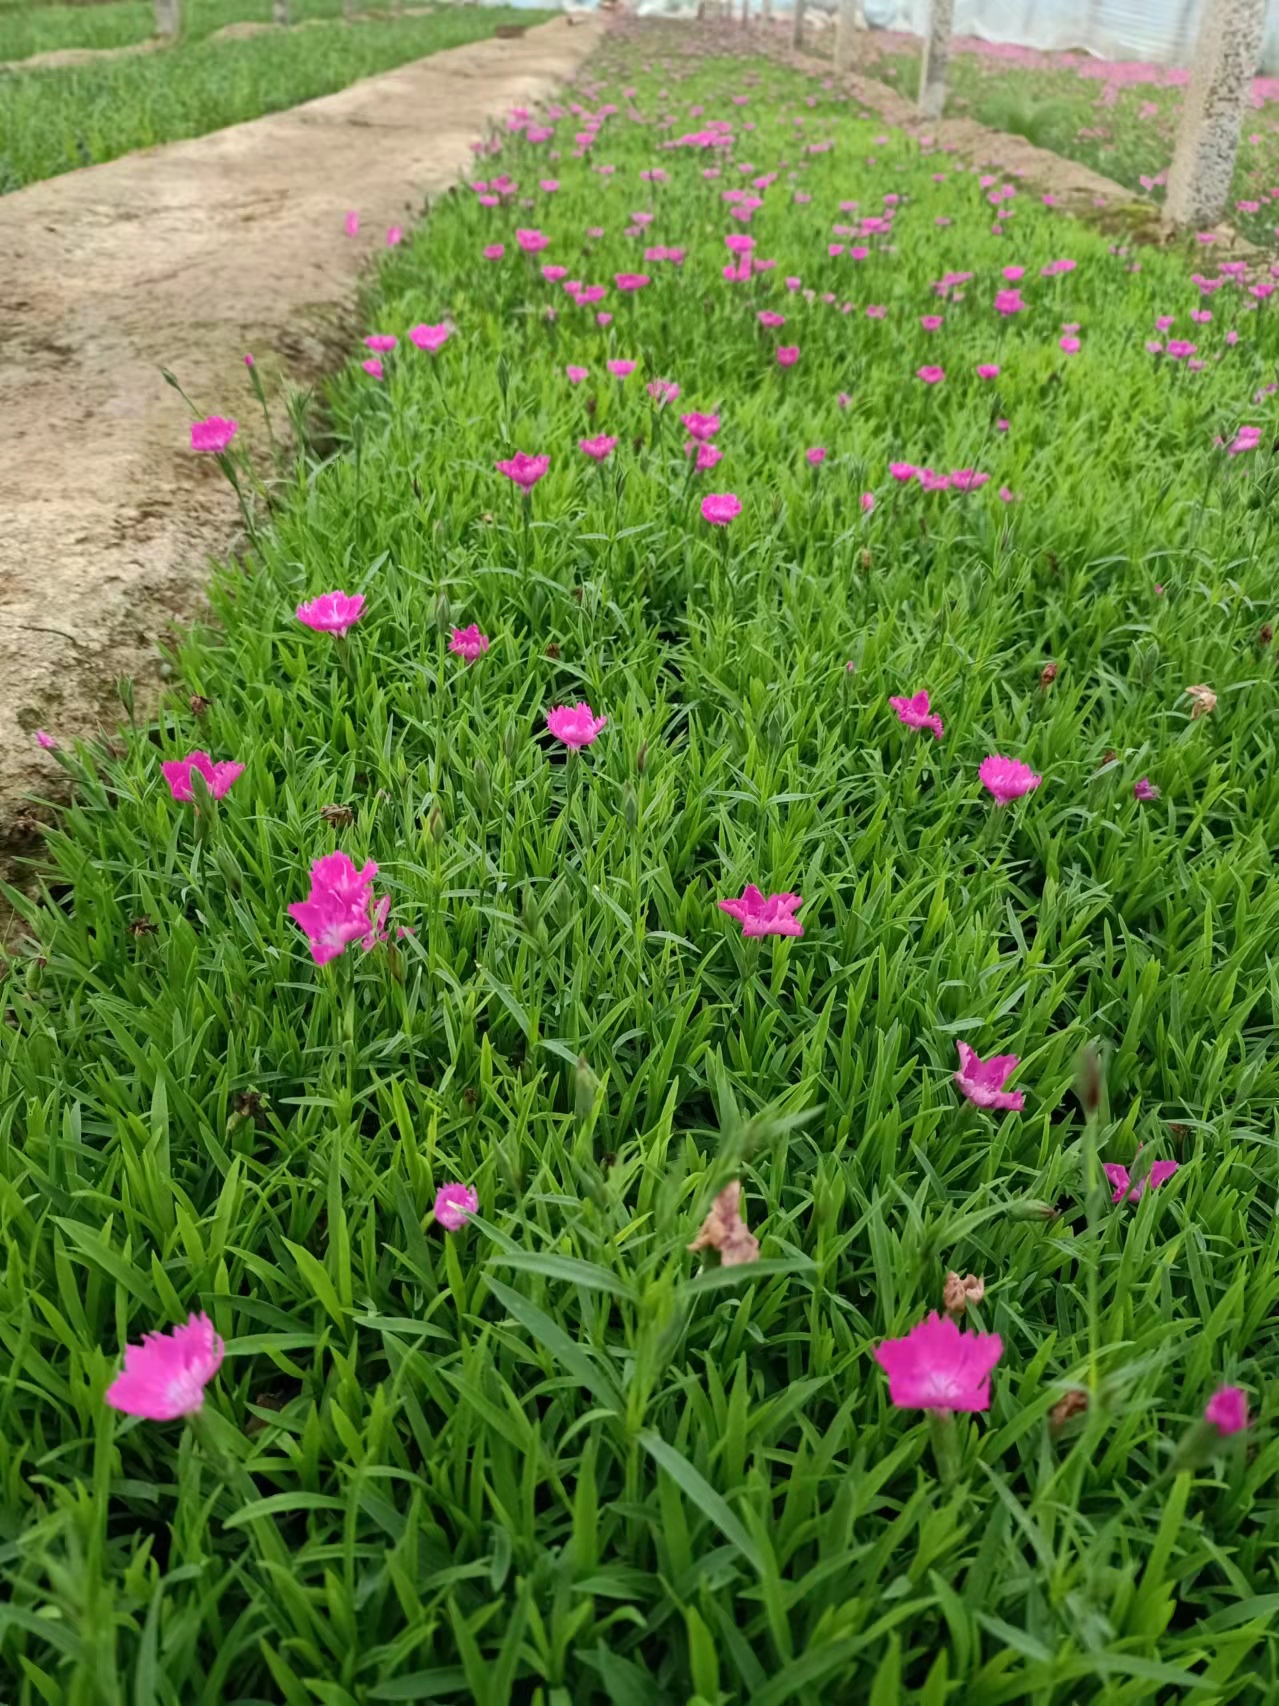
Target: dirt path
pixel 185 257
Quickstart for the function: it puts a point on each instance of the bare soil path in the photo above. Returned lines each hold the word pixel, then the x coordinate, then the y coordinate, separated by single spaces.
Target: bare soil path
pixel 185 257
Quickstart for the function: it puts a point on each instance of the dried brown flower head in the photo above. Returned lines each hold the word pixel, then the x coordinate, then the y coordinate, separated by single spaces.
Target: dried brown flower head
pixel 1073 1404
pixel 725 1230
pixel 1203 701
pixel 959 1291
pixel 1047 675
pixel 338 816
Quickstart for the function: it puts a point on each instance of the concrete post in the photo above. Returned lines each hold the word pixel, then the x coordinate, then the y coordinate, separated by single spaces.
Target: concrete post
pixel 846 22
pixel 1203 162
pixel 932 76
pixel 797 25
pixel 168 17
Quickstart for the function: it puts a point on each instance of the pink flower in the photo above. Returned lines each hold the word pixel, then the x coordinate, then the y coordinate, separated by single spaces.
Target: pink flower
pixel 630 281
pixel 931 322
pixel 1070 344
pixel 620 369
pixel 1144 790
pixel 719 508
pixel 380 342
pixel 815 456
pixel 1247 438
pixel 532 242
pixel 662 390
pixel 165 1376
pixel 373 367
pixel 982 1081
pixel 454 1206
pixel 703 427
pixel 394 236
pixel 1007 495
pixel 915 714
pixel 936 1367
pixel 788 355
pixel 707 455
pixel 1007 778
pixel 351 224
pixel 1119 1177
pixel 212 436
pixel 1008 302
pixel 598 448
pixel 868 502
pixel 968 479
pixel 876 312
pixel 576 725
pixel 553 274
pixel 494 251
pixel 767 317
pixel 340 909
pixel 469 643
pixel 332 613
pixel 46 740
pixel 1227 1411
pixel 988 370
pixel 524 469
pixel 217 777
pixel 902 471
pixel 760 915
pixel 930 375
pixel 1014 275
pixel 430 338
pixel 577 374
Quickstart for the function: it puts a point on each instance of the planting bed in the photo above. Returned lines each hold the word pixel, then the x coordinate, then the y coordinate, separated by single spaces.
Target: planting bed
pixel 485 1427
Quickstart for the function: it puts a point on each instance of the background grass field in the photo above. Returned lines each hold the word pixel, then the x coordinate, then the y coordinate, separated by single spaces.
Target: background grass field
pixel 549 1458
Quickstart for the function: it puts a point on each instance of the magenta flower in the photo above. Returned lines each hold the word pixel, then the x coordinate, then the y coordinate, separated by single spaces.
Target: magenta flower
pixel 662 390
pixel 788 355
pixel 915 714
pixel 1069 343
pixel 936 1367
pixel 968 479
pixel 1007 778
pixel 719 508
pixel 576 725
pixel 903 471
pixel 630 281
pixel 394 236
pixel 212 436
pixel 351 224
pixel 373 367
pixel 494 251
pixel 1247 438
pixel 620 369
pixel 1227 1411
pixel 217 777
pixel 982 1081
pixel 340 908
pixel 430 338
pixel 765 915
pixel 165 1376
pixel 454 1206
pixel 707 455
pixel 577 374
pixel 332 613
pixel 703 427
pixel 815 456
pixel 468 643
pixel 46 740
pixel 1144 790
pixel 931 322
pixel 930 375
pixel 1119 1177
pixel 525 470
pixel 532 242
pixel 868 502
pixel 1009 302
pixel 599 448
pixel 768 317
pixel 380 342
pixel 988 370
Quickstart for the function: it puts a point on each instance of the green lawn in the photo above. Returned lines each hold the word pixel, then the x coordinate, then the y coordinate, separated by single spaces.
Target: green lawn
pixel 27 29
pixel 54 121
pixel 552 1456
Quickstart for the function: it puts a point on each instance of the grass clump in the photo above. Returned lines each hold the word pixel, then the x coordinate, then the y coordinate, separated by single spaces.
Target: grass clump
pixel 551 1455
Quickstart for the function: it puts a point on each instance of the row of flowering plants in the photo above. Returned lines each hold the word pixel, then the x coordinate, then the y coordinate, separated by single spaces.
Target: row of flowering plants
pixel 655 1082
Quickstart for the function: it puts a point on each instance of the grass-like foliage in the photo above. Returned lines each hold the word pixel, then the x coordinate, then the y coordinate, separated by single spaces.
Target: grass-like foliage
pixel 55 120
pixel 552 1456
pixel 26 29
